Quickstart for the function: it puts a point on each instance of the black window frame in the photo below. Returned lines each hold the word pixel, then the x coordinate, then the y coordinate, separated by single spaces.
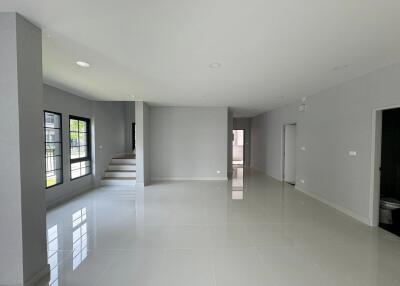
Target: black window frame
pixel 88 146
pixel 61 148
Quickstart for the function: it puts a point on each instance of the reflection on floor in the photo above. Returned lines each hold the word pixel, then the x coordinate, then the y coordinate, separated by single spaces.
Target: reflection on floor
pixel 237 183
pixel 204 233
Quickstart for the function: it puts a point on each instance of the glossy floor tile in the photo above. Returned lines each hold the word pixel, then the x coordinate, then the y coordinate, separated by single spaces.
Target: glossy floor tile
pixel 251 230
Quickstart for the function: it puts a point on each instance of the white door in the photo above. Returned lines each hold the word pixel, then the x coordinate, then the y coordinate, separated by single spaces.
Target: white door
pixel 289 170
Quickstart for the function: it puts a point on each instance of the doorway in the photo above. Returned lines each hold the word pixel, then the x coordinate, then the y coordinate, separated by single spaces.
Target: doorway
pixel 238 147
pixel 389 183
pixel 289 154
pixel 133 137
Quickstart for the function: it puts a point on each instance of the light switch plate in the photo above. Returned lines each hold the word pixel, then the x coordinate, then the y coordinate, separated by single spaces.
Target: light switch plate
pixel 352 153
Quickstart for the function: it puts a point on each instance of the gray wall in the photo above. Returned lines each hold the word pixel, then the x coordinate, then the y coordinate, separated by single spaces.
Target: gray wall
pixel 267 139
pixel 67 104
pixel 142 119
pixel 188 142
pixel 245 123
pixel 229 144
pixel 336 121
pixel 29 44
pixel 108 126
pixel 11 252
pixel 22 205
pixel 130 118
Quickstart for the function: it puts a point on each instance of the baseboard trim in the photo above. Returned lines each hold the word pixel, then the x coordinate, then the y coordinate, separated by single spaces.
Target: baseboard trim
pixel 335 206
pixel 189 179
pixel 38 276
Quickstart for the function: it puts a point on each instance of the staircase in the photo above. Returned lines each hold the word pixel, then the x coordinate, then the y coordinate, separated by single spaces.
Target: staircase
pixel 120 172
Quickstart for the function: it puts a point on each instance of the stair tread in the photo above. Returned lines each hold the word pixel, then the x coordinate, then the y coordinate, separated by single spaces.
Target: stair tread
pixel 119 178
pixel 123 171
pixel 125 157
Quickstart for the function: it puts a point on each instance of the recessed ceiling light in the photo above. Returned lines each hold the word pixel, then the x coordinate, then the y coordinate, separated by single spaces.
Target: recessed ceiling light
pixel 214 65
pixel 83 64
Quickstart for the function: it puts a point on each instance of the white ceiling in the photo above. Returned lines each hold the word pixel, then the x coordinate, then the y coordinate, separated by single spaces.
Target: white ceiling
pixel 271 51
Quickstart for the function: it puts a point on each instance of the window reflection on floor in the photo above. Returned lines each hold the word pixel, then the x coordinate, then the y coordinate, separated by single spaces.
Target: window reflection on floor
pixel 79 237
pixel 52 256
pixel 79 244
pixel 237 184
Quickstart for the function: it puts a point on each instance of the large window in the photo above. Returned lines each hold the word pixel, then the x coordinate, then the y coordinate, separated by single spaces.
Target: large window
pixel 79 137
pixel 53 145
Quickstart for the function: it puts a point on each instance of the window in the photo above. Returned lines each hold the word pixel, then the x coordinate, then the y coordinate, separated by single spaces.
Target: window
pixel 79 137
pixel 53 151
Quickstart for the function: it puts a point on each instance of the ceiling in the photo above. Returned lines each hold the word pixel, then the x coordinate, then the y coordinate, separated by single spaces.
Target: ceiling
pixel 271 52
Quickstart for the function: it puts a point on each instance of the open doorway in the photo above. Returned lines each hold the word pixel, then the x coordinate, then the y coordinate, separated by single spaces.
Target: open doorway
pixel 385 194
pixel 133 137
pixel 238 147
pixel 289 153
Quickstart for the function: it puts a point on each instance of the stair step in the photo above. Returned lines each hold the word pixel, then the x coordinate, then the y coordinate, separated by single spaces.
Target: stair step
pixel 120 174
pixel 116 167
pixel 118 182
pixel 126 156
pixel 119 161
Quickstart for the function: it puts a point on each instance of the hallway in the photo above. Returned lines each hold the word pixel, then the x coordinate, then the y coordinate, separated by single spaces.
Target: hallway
pixel 206 233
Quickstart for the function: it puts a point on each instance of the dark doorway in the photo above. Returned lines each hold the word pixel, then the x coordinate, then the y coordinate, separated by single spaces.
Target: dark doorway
pixel 390 171
pixel 133 136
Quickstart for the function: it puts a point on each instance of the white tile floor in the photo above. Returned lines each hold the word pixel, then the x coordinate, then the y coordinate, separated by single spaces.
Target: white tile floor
pixel 251 232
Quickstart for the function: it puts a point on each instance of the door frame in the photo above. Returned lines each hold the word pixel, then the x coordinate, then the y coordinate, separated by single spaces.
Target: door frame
pixel 375 175
pixel 133 136
pixel 244 143
pixel 283 155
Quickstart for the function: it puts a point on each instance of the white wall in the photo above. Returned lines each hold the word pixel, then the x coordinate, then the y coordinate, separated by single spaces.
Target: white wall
pixel 337 121
pixel 188 142
pixel 108 125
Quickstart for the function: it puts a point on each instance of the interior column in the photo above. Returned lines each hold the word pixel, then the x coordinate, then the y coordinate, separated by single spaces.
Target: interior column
pixel 142 120
pixel 23 255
